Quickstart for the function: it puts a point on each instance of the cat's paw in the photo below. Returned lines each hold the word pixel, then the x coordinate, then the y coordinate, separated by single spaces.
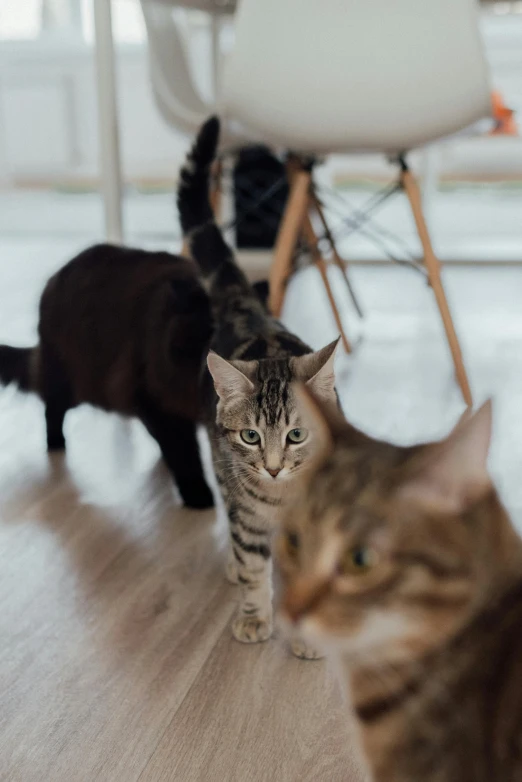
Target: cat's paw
pixel 304 651
pixel 231 570
pixel 251 629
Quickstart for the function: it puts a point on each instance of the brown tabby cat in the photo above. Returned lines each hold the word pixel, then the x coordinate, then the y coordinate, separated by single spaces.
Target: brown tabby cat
pixel 128 331
pixel 258 443
pixel 403 565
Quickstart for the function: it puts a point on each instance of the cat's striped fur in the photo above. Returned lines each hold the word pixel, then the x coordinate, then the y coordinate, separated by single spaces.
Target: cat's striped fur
pixel 402 564
pixel 254 362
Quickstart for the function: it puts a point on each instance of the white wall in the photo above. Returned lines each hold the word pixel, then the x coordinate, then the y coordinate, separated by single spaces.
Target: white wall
pixel 48 116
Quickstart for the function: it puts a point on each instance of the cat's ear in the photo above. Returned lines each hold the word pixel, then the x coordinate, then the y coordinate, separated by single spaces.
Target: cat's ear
pixel 228 379
pixel 317 370
pixel 452 475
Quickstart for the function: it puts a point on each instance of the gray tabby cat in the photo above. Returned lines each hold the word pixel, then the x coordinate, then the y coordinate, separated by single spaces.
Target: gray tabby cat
pixel 403 564
pixel 258 442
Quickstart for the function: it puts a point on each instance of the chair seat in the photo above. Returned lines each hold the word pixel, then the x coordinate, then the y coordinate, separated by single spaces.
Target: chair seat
pixel 324 133
pixel 356 76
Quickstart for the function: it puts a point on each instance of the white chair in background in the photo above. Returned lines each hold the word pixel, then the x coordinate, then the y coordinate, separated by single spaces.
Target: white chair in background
pixel 174 88
pixel 177 97
pixel 349 76
pixel 108 124
pixel 173 83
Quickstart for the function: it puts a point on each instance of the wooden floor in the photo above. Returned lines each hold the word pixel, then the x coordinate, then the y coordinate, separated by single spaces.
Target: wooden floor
pixel 116 658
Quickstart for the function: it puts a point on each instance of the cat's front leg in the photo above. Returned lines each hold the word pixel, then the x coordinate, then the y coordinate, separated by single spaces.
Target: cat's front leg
pixel 253 622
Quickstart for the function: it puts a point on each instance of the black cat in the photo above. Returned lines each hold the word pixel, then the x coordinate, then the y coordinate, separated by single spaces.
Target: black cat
pixel 127 331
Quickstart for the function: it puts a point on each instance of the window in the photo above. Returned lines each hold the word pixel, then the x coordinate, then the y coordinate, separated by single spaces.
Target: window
pixel 68 20
pixel 20 21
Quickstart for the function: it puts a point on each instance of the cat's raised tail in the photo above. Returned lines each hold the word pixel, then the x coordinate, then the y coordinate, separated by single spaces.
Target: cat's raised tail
pixel 205 242
pixel 193 189
pixel 15 367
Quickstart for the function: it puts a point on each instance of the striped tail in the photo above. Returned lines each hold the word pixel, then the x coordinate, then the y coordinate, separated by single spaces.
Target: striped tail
pixel 193 191
pixel 205 241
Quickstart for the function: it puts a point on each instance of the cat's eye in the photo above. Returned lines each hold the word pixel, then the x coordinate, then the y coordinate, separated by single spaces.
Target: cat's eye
pixel 357 561
pixel 250 436
pixel 297 435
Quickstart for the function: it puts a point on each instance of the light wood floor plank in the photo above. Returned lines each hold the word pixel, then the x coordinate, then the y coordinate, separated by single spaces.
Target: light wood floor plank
pixel 106 617
pixel 257 714
pixel 116 658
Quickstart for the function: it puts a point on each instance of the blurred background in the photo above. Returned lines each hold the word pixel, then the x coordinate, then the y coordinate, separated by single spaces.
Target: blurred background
pixel 49 153
pixel 116 660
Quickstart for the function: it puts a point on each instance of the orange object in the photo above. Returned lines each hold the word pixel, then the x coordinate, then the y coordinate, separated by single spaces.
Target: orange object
pixel 505 124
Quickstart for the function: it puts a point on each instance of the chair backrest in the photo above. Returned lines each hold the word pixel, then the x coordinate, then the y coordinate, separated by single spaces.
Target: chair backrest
pixel 176 94
pixel 172 82
pixel 356 75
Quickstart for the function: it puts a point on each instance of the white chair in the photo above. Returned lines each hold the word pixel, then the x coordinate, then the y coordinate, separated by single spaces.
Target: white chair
pixel 108 125
pixel 348 76
pixel 174 89
pixel 177 97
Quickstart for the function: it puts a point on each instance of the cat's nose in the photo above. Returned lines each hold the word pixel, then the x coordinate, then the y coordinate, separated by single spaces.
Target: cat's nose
pixel 302 597
pixel 273 473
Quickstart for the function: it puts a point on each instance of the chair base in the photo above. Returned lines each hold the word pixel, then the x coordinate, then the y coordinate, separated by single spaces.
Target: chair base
pixel 297 222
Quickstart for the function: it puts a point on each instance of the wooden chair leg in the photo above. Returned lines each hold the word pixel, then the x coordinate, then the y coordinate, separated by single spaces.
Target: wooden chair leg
pixel 309 234
pixel 287 237
pixel 411 189
pixel 336 257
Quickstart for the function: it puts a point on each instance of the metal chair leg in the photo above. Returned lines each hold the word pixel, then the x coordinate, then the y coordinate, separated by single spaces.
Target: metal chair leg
pixel 309 234
pixel 108 133
pixel 339 262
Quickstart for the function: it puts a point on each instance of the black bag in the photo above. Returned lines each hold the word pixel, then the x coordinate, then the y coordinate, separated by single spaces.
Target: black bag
pixel 258 171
